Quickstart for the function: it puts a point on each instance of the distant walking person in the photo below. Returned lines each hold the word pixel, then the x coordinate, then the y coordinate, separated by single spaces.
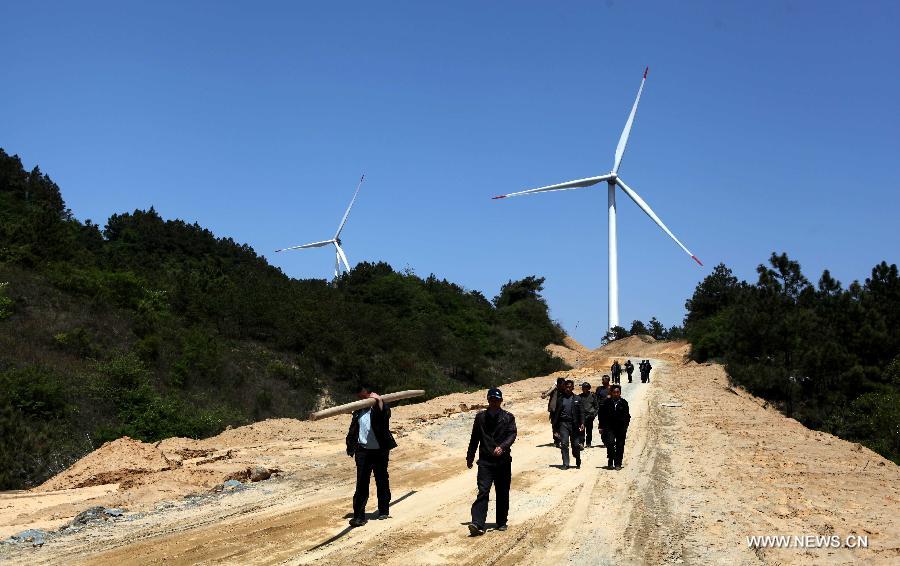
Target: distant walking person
pixel 569 424
pixel 616 371
pixel 493 434
pixel 369 442
pixel 554 395
pixel 629 369
pixel 589 405
pixel 645 371
pixel 614 419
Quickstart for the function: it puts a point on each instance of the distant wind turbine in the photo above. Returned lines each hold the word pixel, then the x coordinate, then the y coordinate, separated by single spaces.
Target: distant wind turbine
pixel 339 256
pixel 612 179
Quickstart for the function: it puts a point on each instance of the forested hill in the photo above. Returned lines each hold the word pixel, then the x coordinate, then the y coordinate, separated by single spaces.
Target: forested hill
pixel 828 356
pixel 153 328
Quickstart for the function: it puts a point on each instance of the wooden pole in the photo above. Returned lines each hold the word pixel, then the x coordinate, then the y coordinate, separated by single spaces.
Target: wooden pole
pixel 350 407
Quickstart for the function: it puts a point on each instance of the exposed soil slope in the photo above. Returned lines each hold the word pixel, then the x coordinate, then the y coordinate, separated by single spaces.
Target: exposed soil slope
pixel 706 466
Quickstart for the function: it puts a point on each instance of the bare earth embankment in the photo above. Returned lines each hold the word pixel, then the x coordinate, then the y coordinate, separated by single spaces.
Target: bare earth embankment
pixel 706 466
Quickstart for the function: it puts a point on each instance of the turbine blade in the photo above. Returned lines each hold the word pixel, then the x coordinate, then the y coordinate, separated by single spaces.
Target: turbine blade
pixel 577 184
pixel 643 205
pixel 341 255
pixel 346 214
pixel 304 246
pixel 623 141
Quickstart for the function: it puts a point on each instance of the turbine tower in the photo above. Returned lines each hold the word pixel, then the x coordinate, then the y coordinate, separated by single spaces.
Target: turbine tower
pixel 612 180
pixel 339 256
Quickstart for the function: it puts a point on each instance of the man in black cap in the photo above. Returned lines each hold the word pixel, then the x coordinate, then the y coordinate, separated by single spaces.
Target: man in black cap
pixel 589 406
pixel 614 420
pixel 568 424
pixel 369 442
pixel 493 434
pixel 629 369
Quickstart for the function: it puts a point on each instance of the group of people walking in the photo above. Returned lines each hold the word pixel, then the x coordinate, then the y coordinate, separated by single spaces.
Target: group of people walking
pixel 616 368
pixel 369 441
pixel 572 420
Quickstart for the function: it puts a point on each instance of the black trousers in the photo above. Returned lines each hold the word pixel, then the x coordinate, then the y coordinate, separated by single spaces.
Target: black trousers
pixel 588 433
pixel 569 434
pixel 629 377
pixel 614 439
pixel 369 462
pixel 500 475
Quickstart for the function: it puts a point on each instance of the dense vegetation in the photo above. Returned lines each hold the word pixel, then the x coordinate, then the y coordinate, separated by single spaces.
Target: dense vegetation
pixel 828 356
pixel 154 328
pixel 653 328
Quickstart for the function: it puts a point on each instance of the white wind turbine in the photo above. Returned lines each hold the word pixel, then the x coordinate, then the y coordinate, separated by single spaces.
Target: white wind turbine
pixel 612 179
pixel 339 256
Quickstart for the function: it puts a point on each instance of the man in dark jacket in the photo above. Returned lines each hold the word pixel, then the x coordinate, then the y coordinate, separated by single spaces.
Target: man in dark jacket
pixel 602 393
pixel 614 419
pixel 589 405
pixel 645 371
pixel 493 434
pixel 568 424
pixel 370 441
pixel 629 369
pixel 616 370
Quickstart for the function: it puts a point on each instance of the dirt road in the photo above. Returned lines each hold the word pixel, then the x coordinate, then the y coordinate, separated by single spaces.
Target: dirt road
pixel 705 467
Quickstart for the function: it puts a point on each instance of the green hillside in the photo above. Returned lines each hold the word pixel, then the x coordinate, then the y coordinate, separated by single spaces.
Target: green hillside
pixel 153 328
pixel 825 355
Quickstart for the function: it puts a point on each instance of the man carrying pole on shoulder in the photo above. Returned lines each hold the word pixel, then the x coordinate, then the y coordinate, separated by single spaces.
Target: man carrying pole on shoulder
pixel 369 442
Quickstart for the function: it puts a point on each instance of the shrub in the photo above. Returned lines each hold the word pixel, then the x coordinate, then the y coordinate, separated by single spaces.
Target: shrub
pixel 6 303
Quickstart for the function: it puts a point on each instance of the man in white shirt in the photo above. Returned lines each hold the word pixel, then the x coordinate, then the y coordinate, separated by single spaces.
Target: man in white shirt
pixel 369 442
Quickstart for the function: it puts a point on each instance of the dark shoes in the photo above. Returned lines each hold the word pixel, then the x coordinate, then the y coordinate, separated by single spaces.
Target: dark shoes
pixel 619 466
pixel 383 516
pixel 501 527
pixel 475 530
pixel 356 522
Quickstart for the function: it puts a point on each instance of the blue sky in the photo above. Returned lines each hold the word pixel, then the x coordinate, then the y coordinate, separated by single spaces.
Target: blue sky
pixel 764 126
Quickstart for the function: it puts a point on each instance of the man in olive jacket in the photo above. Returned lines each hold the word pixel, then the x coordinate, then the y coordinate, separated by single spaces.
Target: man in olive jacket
pixel 370 441
pixel 493 434
pixel 554 394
